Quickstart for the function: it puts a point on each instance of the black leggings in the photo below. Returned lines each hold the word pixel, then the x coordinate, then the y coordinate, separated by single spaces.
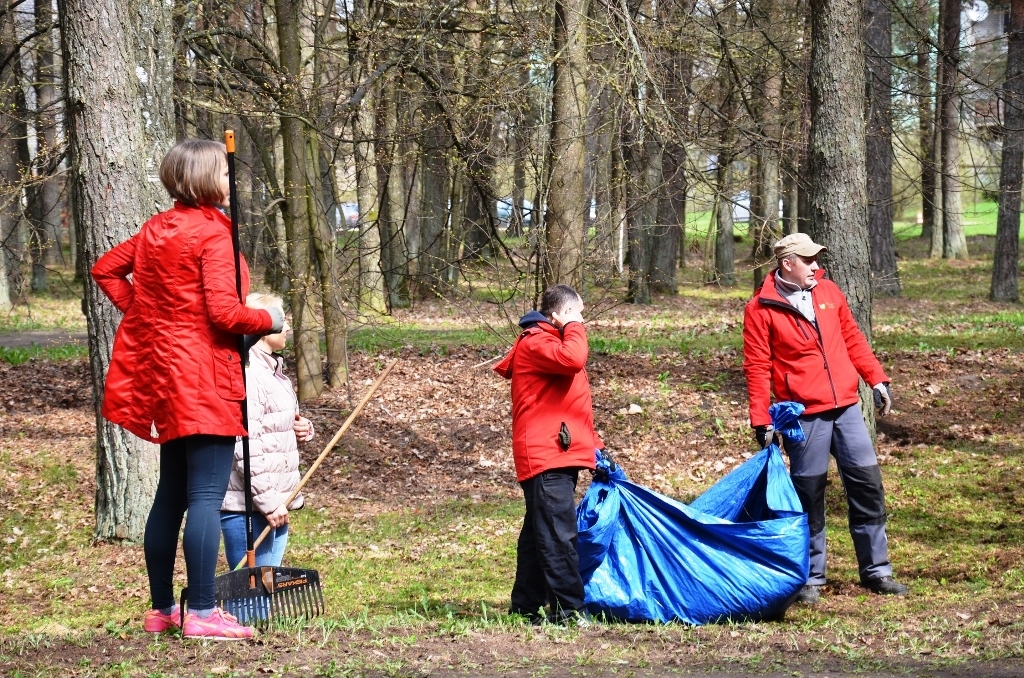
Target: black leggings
pixel 194 473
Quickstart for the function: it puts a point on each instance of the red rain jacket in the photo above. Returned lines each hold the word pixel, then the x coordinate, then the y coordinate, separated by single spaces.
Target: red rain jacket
pixel 786 355
pixel 549 387
pixel 175 370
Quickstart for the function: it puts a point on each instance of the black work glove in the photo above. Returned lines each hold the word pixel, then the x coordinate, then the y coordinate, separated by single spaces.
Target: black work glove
pixel 883 399
pixel 764 435
pixel 601 474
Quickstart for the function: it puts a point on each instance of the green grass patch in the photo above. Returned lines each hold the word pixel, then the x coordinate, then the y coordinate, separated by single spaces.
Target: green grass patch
pixel 978 219
pixel 693 341
pixel 422 340
pixel 445 561
pixel 19 355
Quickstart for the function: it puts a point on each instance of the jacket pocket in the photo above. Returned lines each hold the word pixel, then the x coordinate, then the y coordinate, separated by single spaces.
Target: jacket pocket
pixel 227 375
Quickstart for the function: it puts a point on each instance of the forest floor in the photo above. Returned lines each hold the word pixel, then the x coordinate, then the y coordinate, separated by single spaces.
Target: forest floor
pixel 412 521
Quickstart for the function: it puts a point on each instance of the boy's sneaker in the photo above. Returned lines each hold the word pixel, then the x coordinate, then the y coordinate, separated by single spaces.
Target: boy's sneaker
pixel 156 621
pixel 572 618
pixel 218 626
pixel 533 618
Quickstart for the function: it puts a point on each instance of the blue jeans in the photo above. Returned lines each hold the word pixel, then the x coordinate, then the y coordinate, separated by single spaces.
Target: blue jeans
pixel 194 472
pixel 269 553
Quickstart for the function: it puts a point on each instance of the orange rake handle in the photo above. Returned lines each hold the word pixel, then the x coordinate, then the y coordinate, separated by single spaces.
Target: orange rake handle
pixel 330 446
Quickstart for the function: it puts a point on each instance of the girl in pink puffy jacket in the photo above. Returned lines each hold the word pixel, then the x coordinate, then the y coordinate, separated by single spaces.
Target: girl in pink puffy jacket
pixel 275 427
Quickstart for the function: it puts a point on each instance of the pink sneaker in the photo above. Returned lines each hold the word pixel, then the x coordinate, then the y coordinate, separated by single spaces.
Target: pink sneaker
pixel 156 621
pixel 218 626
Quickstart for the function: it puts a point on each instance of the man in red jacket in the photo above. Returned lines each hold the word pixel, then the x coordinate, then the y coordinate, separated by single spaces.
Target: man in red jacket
pixel 801 343
pixel 553 438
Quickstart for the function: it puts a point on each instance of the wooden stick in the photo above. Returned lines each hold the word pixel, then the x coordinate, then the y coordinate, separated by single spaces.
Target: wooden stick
pixel 330 446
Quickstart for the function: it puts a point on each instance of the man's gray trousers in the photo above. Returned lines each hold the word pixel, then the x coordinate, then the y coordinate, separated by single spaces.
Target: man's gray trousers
pixel 841 433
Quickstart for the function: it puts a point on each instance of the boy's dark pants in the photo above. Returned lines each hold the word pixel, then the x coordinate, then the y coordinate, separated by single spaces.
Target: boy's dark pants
pixel 547 565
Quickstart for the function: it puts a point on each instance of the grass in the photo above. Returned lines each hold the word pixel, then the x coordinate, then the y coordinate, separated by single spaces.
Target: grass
pixel 57 309
pixel 978 218
pixel 19 355
pixel 420 339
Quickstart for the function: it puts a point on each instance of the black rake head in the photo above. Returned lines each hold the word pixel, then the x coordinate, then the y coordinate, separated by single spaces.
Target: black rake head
pixel 258 595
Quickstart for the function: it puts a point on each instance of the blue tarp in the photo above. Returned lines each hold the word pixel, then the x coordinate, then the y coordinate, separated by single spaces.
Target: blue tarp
pixel 739 551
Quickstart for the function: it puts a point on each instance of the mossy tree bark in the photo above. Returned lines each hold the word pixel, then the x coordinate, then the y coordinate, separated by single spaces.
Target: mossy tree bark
pixel 118 64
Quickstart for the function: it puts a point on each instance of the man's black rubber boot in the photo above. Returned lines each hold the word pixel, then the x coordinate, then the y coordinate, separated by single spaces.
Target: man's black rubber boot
pixel 808 595
pixel 885 586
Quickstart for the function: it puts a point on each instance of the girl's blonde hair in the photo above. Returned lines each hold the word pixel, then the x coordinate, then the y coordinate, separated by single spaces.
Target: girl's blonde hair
pixel 261 300
pixel 191 171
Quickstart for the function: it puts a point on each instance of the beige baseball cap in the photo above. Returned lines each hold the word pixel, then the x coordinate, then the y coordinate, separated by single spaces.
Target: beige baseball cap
pixel 799 244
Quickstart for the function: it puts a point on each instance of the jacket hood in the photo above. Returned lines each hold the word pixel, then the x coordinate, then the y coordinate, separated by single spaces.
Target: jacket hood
pixel 532 317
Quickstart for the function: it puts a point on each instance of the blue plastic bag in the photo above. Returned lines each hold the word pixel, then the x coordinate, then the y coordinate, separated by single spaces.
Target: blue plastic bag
pixel 740 551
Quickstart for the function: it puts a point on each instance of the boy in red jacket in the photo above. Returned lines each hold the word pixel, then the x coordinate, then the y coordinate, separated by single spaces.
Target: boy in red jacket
pixel 553 438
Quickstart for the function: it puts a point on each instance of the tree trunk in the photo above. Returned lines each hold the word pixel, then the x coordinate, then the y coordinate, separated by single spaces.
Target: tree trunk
pixel 725 249
pixel 954 245
pixel 566 204
pixel 935 249
pixel 926 119
pixel 309 371
pixel 764 213
pixel 118 78
pixel 668 231
pixel 335 323
pixel 394 254
pixel 606 226
pixel 435 190
pixel 644 169
pixel 372 300
pixel 790 198
pixel 838 193
pixel 10 172
pixel 723 270
pixel 878 78
pixel 1004 266
pixel 45 209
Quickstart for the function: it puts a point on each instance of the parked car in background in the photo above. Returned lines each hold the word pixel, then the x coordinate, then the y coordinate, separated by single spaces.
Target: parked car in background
pixel 741 207
pixel 350 212
pixel 505 211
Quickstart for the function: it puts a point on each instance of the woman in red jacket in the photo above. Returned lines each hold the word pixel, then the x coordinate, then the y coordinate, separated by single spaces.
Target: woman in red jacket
pixel 175 377
pixel 553 438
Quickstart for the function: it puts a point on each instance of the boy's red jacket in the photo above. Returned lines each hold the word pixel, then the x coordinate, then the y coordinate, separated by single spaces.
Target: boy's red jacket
pixel 175 369
pixel 549 388
pixel 786 355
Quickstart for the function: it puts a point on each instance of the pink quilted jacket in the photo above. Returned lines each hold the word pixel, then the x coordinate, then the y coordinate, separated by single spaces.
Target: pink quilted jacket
pixel 273 450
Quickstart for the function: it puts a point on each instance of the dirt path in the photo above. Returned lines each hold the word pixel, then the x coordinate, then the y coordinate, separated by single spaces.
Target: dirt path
pixel 598 652
pixel 31 338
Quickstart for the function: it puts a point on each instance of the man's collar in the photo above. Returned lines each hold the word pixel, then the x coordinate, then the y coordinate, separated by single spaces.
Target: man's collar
pixel 791 286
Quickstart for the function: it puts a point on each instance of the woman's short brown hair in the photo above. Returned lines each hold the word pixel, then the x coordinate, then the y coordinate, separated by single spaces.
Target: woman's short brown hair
pixel 191 171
